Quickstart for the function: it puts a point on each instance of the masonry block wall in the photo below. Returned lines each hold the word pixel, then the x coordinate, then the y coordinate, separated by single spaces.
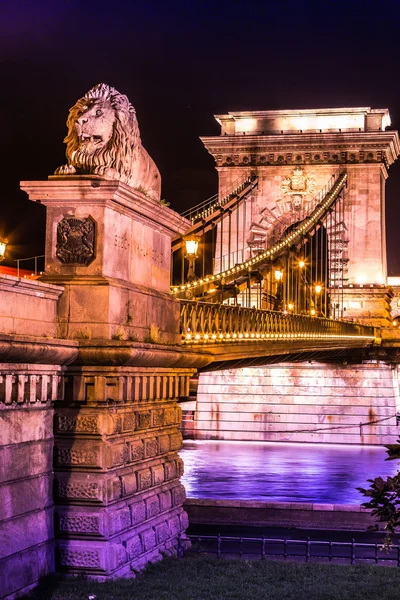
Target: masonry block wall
pixel 27 395
pixel 303 402
pixel 118 495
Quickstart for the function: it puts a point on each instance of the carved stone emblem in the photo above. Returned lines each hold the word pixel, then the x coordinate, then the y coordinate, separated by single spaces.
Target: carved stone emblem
pixel 297 187
pixel 76 240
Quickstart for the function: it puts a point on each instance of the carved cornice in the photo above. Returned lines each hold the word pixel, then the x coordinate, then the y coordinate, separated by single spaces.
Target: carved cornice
pixel 304 148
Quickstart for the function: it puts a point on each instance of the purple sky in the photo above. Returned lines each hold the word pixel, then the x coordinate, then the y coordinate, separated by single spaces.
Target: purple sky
pixel 181 62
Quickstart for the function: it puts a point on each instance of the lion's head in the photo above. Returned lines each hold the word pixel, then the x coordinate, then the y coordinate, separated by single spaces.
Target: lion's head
pixel 103 139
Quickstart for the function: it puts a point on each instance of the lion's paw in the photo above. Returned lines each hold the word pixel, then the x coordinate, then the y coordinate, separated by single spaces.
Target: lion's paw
pixel 65 170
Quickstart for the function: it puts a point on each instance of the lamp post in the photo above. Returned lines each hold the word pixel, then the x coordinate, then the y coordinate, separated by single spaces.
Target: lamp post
pixel 191 244
pixel 3 246
pixel 278 274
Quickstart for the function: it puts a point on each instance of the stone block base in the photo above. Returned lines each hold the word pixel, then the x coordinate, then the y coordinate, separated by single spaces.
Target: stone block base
pixel 27 393
pixel 300 402
pixel 119 501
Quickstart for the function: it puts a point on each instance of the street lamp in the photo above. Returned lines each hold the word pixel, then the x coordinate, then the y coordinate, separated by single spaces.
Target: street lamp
pixel 3 246
pixel 301 264
pixel 318 288
pixel 191 244
pixel 278 275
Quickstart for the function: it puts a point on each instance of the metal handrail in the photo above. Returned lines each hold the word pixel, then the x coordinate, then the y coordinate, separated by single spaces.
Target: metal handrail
pixel 19 260
pixel 327 197
pixel 207 207
pixel 210 323
pixel 306 545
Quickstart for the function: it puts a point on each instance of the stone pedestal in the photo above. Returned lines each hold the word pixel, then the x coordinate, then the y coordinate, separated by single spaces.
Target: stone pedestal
pixel 118 495
pixel 110 246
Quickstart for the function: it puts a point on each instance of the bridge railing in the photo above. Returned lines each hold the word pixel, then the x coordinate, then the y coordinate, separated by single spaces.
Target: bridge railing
pixel 207 207
pixel 204 322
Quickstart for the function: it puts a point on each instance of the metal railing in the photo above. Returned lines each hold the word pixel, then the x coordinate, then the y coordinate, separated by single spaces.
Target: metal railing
pixel 38 265
pixel 206 208
pixel 326 199
pixel 288 548
pixel 210 323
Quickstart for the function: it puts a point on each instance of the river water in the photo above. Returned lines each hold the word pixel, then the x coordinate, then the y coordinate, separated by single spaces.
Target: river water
pixel 281 472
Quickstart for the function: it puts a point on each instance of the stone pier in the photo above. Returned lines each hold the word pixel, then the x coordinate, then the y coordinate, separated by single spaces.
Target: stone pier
pixel 118 495
pixel 300 402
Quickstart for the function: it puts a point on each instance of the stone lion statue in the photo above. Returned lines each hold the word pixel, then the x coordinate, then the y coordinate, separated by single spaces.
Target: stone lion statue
pixel 103 139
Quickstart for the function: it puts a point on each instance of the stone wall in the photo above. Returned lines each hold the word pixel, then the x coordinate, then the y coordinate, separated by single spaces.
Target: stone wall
pixel 300 402
pixel 27 394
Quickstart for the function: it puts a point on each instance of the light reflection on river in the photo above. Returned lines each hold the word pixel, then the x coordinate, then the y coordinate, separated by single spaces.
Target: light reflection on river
pixel 281 472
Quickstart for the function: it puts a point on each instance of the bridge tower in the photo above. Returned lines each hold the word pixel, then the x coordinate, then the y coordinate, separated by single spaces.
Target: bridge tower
pixel 295 153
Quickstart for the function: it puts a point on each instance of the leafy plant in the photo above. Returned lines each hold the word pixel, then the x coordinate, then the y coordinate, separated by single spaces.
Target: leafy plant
pixel 384 496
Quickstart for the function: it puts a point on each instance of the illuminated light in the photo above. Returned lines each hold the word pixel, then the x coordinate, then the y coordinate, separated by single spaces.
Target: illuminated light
pixel 175 289
pixel 188 336
pixel 394 323
pixel 257 335
pixel 290 306
pixel 206 336
pixel 197 336
pixel 234 335
pixel 240 335
pixel 263 335
pixel 214 336
pixel 301 264
pixel 206 280
pixel 312 311
pixel 221 336
pixel 246 335
pixel 212 290
pixel 252 335
pixel 318 288
pixel 182 287
pixel 192 244
pixel 278 275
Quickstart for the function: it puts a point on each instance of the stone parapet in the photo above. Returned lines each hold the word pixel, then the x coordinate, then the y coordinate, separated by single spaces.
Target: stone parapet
pixel 118 495
pixel 305 515
pixel 28 307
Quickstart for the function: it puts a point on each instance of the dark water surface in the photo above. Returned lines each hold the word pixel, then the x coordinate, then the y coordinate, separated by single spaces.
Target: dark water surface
pixel 281 472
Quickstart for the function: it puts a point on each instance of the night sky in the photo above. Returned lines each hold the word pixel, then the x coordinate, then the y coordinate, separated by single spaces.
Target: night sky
pixel 181 62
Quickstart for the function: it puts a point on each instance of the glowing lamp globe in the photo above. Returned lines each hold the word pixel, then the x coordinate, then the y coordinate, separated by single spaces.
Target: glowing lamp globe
pixel 3 246
pixel 192 245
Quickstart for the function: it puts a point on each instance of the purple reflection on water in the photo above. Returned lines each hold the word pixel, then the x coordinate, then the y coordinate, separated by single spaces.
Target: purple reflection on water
pixel 281 472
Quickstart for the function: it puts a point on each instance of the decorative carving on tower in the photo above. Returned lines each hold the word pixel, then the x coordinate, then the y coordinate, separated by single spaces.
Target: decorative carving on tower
pixel 298 186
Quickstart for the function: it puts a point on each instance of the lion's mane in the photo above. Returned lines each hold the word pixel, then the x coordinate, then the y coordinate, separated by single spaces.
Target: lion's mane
pixel 124 156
